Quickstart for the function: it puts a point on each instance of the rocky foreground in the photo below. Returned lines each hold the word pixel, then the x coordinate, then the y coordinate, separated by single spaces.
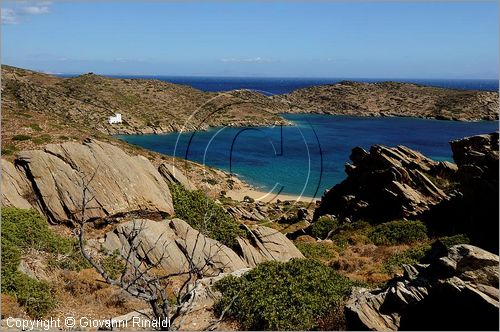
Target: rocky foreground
pixel 133 206
pixel 457 291
pixel 393 99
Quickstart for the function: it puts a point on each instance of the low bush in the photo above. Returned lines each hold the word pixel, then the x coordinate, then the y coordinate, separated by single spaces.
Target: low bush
pixel 9 149
pixel 351 233
pixel 323 226
pixel 35 296
pixel 321 251
pixel 203 214
pixel 35 127
pixel 42 139
pixel 398 232
pixel 450 241
pixel 23 230
pixel 21 137
pixel 26 229
pixel 409 256
pixel 295 295
pixel 113 264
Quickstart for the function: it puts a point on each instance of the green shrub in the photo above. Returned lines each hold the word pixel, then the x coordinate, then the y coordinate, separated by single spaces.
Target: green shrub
pixel 409 256
pixel 450 241
pixel 23 230
pixel 323 226
pixel 203 214
pixel 35 127
pixel 21 137
pixel 27 229
pixel 72 260
pixel 34 295
pixel 283 296
pixel 9 149
pixel 352 233
pixel 398 232
pixel 42 139
pixel 320 251
pixel 113 264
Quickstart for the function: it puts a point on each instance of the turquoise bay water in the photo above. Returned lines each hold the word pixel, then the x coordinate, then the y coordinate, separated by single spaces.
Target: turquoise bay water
pixel 308 157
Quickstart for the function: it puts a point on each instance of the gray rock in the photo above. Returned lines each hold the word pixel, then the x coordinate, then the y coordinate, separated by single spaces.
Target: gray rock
pixel 172 244
pixel 174 175
pixel 425 299
pixel 267 244
pixel 120 183
pixel 15 188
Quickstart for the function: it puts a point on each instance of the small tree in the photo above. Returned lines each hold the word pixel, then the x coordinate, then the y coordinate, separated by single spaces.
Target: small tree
pixel 147 280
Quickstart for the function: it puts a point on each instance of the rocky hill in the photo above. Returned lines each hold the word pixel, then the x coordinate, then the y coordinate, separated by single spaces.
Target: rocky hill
pixel 147 106
pixel 393 99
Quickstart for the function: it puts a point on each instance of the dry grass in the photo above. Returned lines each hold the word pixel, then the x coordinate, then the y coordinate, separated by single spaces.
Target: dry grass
pixel 84 293
pixel 364 262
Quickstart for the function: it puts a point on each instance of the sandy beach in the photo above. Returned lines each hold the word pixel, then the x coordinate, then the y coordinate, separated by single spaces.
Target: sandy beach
pixel 239 195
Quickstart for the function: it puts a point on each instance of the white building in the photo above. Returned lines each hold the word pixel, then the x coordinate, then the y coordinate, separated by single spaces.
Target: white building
pixel 117 118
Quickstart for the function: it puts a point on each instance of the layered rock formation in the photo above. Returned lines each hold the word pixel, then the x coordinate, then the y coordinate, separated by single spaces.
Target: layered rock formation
pixel 58 179
pixel 15 188
pixel 394 99
pixel 265 244
pixel 385 184
pixel 174 244
pixel 174 175
pixel 458 291
pixel 116 183
pixel 478 168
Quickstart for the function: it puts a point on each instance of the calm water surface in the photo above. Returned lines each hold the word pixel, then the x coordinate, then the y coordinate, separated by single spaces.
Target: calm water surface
pixel 308 157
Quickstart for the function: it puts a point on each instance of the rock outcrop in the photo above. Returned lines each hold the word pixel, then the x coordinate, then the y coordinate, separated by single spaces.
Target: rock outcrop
pixel 478 168
pixel 174 175
pixel 266 244
pixel 117 183
pixel 393 99
pixel 458 291
pixel 385 184
pixel 172 244
pixel 15 188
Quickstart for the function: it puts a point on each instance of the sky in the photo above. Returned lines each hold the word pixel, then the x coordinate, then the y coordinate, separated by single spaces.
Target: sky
pixel 427 40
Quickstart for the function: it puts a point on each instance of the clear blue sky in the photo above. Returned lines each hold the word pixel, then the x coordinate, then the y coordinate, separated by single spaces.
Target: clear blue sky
pixel 323 39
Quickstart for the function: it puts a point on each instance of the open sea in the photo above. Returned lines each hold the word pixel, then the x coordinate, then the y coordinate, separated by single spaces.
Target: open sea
pixel 272 86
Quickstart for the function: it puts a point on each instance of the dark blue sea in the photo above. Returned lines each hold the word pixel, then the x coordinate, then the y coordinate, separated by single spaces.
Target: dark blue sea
pixel 272 86
pixel 309 157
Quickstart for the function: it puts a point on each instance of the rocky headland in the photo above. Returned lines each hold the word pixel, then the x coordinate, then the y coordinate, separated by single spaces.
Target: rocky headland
pixel 393 99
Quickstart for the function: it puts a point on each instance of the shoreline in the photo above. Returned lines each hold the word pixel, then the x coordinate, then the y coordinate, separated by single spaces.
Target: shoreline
pixel 266 197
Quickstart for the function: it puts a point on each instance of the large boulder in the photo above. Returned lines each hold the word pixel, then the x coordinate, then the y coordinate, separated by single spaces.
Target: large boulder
pixel 385 184
pixel 117 183
pixel 477 158
pixel 458 291
pixel 15 188
pixel 175 176
pixel 173 245
pixel 265 244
